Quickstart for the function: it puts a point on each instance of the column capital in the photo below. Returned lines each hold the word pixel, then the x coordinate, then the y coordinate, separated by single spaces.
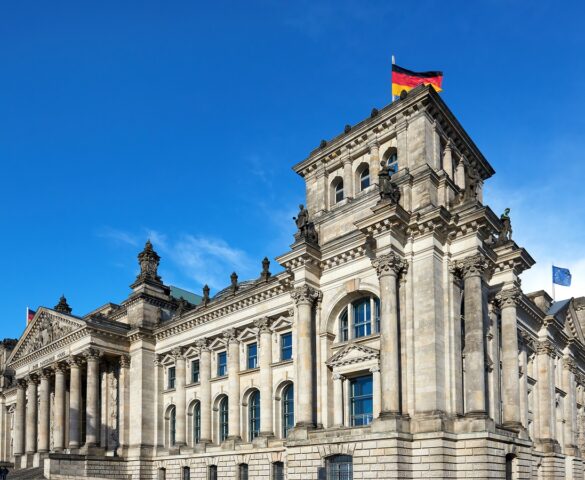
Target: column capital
pixel 92 354
pixel 375 369
pixel 471 266
pixel 263 325
pixel 570 365
pixel 33 378
pixel 230 336
pixel 305 294
pixel 202 345
pixel 74 361
pixel 124 361
pixel 21 383
pixel 389 264
pixel 545 347
pixel 158 360
pixel 374 144
pixel 178 352
pixel 509 297
pixel 59 367
pixel 46 373
pixel 338 376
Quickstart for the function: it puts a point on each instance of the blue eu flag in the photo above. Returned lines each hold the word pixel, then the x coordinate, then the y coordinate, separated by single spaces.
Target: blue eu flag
pixel 561 276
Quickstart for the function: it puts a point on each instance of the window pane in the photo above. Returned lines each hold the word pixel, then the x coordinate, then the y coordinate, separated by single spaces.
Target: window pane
pixel 343 326
pixel 197 423
pixel 243 471
pixel 212 472
pixel 252 355
pixel 365 179
pixel 361 400
pixel 195 371
pixel 288 410
pixel 223 419
pixel 186 473
pixel 221 364
pixel 278 471
pixel 340 467
pixel 286 346
pixel 254 415
pixel 171 375
pixel 173 425
pixel 339 192
pixel 362 318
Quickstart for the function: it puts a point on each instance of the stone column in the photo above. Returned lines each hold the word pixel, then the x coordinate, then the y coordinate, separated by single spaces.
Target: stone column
pixel 304 359
pixel 74 402
pixel 205 390
pixel 448 160
pixel 570 426
pixel 508 299
pixel 376 390
pixel 180 402
pixel 233 384
pixel 19 418
pixel 266 417
pixel 546 393
pixel 338 400
pixel 31 414
pixel 92 413
pixel 388 267
pixel 374 162
pixel 59 412
pixel 472 269
pixel 44 411
pixel 123 420
pixel 347 177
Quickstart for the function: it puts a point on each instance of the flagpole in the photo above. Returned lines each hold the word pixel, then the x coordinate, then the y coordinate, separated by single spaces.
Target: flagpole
pixel 393 63
pixel 553 282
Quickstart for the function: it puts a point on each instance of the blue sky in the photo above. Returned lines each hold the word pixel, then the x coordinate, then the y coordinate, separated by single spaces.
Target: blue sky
pixel 179 121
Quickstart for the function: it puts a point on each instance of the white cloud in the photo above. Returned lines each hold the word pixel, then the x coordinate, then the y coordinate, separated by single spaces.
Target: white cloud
pixel 118 236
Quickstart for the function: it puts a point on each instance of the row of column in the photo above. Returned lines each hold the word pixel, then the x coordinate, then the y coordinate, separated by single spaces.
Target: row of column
pixel 233 350
pixel 37 387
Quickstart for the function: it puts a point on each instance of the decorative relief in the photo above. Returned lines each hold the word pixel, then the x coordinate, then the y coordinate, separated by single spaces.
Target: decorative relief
pixel 231 335
pixel 113 410
pixel 389 264
pixel 202 345
pixel 148 260
pixel 509 297
pixel 545 347
pixel 305 294
pixel 353 353
pixel 124 361
pixel 263 325
pixel 48 329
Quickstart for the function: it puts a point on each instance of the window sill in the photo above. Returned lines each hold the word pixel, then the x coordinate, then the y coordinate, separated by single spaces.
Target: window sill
pixel 216 379
pixel 373 336
pixel 249 370
pixel 169 390
pixel 193 384
pixel 282 362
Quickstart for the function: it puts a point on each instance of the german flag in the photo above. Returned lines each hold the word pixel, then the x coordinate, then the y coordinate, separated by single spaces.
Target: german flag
pixel 403 79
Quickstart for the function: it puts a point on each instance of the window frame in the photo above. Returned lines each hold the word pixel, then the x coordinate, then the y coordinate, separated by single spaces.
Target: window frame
pixel 195 372
pixel 334 467
pixel 243 471
pixel 173 426
pixel 252 359
pixel 185 473
pixel 277 475
pixel 196 423
pixel 171 377
pixel 212 472
pixel 222 369
pixel 287 413
pixel 359 399
pixel 351 326
pixel 365 177
pixel 223 419
pixel 288 348
pixel 254 405
pixel 338 191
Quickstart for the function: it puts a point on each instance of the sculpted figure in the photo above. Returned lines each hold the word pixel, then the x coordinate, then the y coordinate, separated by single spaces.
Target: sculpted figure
pixel 389 191
pixel 506 231
pixel 306 228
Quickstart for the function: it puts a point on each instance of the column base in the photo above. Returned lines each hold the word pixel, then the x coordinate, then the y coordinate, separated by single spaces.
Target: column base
pixel 549 445
pixel 92 450
pixel 512 426
pixel 231 442
pixel 300 431
pixel 260 441
pixel 391 422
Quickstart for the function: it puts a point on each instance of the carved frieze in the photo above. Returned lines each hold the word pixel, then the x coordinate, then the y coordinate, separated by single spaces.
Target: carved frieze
pixel 48 329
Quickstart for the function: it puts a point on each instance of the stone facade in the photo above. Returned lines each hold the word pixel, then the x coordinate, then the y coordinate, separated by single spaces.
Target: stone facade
pixel 395 343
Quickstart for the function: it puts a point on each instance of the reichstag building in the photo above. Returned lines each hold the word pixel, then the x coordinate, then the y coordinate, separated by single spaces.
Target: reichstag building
pixel 394 340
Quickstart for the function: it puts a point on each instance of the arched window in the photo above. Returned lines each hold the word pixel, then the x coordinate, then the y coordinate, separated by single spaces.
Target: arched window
pixel 162 474
pixel 391 158
pixel 288 409
pixel 365 178
pixel 223 419
pixel 172 425
pixel 212 472
pixel 359 318
pixel 254 415
pixel 243 471
pixel 278 471
pixel 338 191
pixel 186 473
pixel 510 464
pixel 196 423
pixel 339 467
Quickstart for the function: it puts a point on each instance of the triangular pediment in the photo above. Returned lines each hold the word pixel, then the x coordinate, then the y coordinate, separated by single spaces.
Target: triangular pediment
pixel 46 327
pixel 572 325
pixel 248 334
pixel 353 353
pixel 281 323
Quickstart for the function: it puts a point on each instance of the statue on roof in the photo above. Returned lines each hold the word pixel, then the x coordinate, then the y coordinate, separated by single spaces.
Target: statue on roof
pixel 148 260
pixel 306 229
pixel 505 234
pixel 389 191
pixel 63 306
pixel 265 275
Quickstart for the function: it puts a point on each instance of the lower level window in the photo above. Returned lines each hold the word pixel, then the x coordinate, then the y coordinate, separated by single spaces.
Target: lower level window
pixel 186 473
pixel 212 472
pixel 340 467
pixel 254 410
pixel 278 471
pixel 223 419
pixel 361 401
pixel 243 471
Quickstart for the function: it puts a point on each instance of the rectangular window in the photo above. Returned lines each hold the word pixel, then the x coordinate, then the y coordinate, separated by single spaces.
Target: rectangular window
pixel 362 318
pixel 252 355
pixel 286 348
pixel 361 401
pixel 171 377
pixel 278 471
pixel 212 472
pixel 243 471
pixel 195 371
pixel 221 364
pixel 186 473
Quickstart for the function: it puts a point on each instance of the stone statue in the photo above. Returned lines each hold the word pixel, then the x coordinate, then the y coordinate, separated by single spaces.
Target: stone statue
pixel 306 228
pixel 389 191
pixel 505 234
pixel 472 182
pixel 265 275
